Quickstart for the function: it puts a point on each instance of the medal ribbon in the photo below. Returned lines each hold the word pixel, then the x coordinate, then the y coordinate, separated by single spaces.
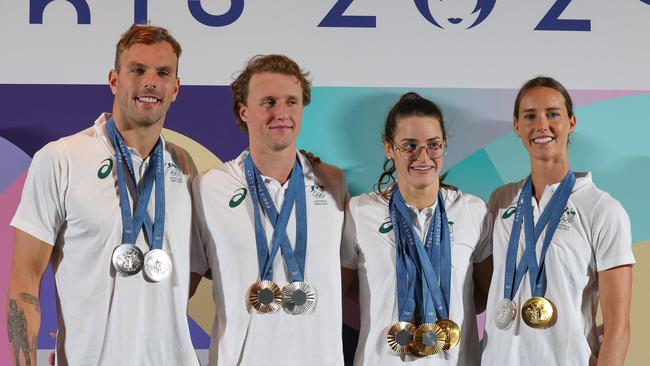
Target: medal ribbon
pixel 295 260
pixel 131 225
pixel 549 219
pixel 433 259
pixel 405 270
pixel 524 213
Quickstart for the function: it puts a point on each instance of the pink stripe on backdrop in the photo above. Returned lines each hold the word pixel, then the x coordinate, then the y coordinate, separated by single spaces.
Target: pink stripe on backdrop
pixel 583 97
pixel 9 202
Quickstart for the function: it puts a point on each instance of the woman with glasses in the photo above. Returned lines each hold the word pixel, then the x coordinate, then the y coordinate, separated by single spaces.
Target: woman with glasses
pixel 559 246
pixel 413 243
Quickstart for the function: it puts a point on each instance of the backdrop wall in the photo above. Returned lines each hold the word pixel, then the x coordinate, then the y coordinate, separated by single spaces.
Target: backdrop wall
pixel 470 57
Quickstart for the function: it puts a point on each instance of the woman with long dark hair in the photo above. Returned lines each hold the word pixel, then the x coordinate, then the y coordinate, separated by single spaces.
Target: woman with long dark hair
pixel 413 243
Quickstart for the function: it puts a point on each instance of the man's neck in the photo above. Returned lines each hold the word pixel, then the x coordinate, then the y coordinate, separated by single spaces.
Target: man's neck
pixel 276 164
pixel 141 138
pixel 546 173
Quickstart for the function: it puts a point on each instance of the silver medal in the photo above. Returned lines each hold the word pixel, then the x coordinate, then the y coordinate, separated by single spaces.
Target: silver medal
pixel 157 265
pixel 506 313
pixel 298 298
pixel 127 259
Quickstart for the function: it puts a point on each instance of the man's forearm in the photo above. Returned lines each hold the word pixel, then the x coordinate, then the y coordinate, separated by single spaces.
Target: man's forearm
pixel 23 322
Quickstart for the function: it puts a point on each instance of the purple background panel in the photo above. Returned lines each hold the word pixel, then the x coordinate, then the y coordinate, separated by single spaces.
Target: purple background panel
pixel 33 115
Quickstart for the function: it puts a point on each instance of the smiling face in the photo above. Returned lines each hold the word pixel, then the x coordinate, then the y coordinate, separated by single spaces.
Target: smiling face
pixel 145 84
pixel 544 125
pixel 416 173
pixel 273 111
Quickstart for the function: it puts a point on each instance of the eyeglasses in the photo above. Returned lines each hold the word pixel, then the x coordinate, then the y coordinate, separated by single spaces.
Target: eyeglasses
pixel 411 151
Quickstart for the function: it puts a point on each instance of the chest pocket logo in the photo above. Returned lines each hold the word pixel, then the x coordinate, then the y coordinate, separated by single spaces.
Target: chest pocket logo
pixel 318 191
pixel 105 169
pixel 386 226
pixel 238 198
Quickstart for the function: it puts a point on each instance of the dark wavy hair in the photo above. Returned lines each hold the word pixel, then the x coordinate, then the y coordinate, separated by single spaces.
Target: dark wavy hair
pixel 409 105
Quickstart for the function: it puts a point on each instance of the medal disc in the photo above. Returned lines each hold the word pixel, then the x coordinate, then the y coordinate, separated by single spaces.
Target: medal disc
pixel 400 337
pixel 506 313
pixel 428 339
pixel 538 312
pixel 157 265
pixel 264 296
pixel 452 333
pixel 127 259
pixel 298 298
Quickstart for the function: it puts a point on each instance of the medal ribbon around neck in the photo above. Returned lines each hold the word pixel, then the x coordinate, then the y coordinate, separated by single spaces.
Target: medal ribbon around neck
pixel 131 225
pixel 295 260
pixel 405 270
pixel 433 259
pixel 550 221
pixel 524 212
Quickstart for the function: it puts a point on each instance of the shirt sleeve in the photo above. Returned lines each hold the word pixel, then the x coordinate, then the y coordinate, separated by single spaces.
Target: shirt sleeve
pixel 484 246
pixel 41 212
pixel 349 246
pixel 199 262
pixel 612 235
pixel 479 213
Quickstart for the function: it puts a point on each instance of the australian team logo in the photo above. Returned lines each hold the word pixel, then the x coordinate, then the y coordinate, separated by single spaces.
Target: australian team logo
pixel 386 226
pixel 465 13
pixel 568 216
pixel 238 197
pixel 174 172
pixel 318 192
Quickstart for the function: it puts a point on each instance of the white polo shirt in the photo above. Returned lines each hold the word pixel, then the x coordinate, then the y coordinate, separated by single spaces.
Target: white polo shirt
pixel 593 235
pixel 369 247
pixel 227 246
pixel 70 200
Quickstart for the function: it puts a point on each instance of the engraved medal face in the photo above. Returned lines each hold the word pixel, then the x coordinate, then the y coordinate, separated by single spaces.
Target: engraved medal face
pixel 157 265
pixel 298 298
pixel 127 259
pixel 264 296
pixel 505 314
pixel 452 333
pixel 400 337
pixel 428 339
pixel 538 312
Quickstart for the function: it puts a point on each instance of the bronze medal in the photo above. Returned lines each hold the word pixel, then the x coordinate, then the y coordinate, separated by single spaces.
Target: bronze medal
pixel 400 337
pixel 264 296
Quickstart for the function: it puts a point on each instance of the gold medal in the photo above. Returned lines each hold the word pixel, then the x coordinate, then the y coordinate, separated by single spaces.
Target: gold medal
pixel 538 312
pixel 400 337
pixel 452 333
pixel 428 339
pixel 264 296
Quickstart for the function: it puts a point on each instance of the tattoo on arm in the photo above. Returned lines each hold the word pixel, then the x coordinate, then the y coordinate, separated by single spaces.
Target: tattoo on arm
pixel 17 326
pixel 29 298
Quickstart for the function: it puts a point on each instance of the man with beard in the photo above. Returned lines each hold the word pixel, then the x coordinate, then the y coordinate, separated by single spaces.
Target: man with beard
pixel 107 209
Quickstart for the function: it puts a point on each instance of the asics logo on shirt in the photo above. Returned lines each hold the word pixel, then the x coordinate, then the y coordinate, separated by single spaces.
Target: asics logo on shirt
pixel 509 212
pixel 238 198
pixel 386 226
pixel 105 168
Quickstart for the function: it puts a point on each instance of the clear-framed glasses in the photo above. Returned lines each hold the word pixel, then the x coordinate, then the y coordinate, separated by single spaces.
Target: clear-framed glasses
pixel 411 150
